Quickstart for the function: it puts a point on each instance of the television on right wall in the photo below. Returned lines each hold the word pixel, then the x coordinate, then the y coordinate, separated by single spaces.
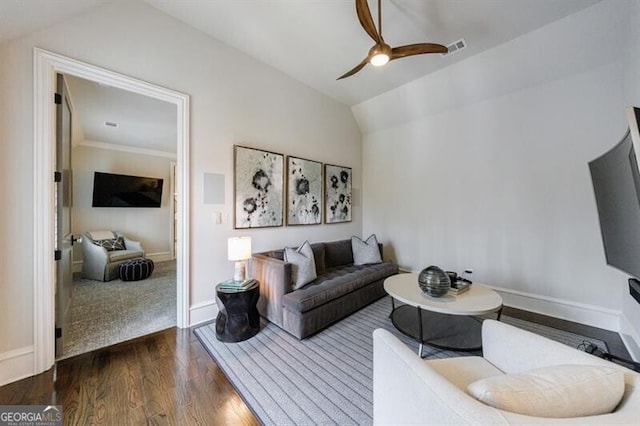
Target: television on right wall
pixel 616 184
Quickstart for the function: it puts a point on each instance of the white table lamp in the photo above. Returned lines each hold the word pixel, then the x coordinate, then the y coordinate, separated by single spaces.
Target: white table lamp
pixel 239 250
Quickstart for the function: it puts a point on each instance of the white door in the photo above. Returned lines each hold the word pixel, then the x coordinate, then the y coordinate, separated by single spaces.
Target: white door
pixel 64 235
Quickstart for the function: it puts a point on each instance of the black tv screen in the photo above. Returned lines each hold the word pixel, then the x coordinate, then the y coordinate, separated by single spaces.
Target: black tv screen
pixel 616 184
pixel 112 190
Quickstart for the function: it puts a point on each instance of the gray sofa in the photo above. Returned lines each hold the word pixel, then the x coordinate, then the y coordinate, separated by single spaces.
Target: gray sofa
pixel 340 289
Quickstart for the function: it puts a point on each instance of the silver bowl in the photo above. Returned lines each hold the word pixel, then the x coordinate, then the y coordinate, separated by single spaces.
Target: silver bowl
pixel 434 281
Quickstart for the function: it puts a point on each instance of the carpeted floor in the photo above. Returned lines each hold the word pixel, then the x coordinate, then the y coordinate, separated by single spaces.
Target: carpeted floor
pixel 327 378
pixel 106 313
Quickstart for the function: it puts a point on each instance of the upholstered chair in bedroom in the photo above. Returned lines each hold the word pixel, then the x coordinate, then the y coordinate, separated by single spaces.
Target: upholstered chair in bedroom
pixel 104 251
pixel 521 378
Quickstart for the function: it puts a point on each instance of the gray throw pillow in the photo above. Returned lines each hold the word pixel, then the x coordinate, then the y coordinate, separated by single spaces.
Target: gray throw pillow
pixel 303 266
pixel 365 252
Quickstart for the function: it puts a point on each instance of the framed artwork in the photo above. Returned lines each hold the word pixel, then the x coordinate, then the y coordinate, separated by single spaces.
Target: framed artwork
pixel 258 188
pixel 304 191
pixel 337 189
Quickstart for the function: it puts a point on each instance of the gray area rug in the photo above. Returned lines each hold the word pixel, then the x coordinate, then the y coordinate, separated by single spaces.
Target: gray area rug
pixel 106 313
pixel 327 378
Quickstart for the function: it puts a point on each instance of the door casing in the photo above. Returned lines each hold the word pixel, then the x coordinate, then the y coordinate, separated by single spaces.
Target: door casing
pixel 46 66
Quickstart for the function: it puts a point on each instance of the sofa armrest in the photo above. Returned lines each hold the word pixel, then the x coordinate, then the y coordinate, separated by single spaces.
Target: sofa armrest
pixel 94 252
pixel 130 244
pixel 406 390
pixel 274 276
pixel 514 350
pixel 94 259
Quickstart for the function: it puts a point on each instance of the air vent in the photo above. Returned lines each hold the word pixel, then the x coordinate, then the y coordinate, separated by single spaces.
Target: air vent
pixel 455 47
pixel 110 124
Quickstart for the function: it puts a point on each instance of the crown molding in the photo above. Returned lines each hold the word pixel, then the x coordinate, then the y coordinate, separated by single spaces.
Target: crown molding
pixel 127 148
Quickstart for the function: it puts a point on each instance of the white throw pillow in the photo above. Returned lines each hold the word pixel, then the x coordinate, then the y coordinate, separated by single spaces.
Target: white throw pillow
pixel 559 391
pixel 303 265
pixel 101 235
pixel 365 252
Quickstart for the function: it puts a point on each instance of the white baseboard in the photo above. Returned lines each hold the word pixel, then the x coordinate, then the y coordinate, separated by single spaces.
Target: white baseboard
pixel 16 364
pixel 159 257
pixel 630 339
pixel 594 316
pixel 203 312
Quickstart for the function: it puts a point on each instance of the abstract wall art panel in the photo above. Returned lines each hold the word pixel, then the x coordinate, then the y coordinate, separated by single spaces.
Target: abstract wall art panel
pixel 259 195
pixel 337 191
pixel 304 192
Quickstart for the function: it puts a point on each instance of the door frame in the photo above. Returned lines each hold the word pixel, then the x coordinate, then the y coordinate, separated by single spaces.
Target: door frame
pixel 45 67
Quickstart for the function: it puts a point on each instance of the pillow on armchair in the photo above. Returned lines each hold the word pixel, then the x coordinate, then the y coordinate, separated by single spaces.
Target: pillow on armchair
pixel 101 235
pixel 558 391
pixel 111 244
pixel 107 239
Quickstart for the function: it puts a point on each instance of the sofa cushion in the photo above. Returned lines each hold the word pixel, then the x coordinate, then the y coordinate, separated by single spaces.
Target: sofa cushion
pixel 319 257
pixel 303 266
pixel 334 283
pixel 558 391
pixel 338 253
pixel 365 252
pixel 118 255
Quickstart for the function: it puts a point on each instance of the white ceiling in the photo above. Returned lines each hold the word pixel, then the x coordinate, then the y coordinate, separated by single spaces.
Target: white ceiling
pixel 20 17
pixel 142 121
pixel 315 41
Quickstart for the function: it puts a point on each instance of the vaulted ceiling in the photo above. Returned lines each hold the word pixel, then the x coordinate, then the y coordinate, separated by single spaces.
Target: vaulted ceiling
pixel 315 41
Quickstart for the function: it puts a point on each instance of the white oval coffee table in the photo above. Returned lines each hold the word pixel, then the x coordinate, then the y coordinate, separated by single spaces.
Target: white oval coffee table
pixel 444 322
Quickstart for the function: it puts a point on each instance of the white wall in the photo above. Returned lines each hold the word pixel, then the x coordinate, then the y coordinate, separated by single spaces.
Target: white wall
pixel 234 99
pixel 150 226
pixel 492 154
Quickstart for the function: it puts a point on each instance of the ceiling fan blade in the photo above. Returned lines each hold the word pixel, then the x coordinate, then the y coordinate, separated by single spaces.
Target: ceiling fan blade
pixel 354 69
pixel 417 49
pixel 364 15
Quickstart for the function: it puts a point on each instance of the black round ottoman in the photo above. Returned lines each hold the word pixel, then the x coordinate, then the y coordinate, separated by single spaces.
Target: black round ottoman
pixel 136 269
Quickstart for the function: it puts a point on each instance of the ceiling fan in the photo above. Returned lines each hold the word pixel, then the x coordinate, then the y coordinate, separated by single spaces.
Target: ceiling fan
pixel 381 52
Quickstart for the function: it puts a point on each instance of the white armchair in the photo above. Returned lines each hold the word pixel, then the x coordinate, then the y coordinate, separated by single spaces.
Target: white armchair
pixel 410 390
pixel 101 264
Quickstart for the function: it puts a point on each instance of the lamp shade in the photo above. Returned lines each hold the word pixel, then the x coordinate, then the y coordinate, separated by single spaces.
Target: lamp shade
pixel 239 248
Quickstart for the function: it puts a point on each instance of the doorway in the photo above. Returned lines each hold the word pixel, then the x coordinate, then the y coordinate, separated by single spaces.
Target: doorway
pixel 124 139
pixel 46 66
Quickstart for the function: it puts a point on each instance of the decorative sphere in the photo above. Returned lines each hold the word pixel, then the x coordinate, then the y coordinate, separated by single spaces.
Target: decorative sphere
pixel 434 281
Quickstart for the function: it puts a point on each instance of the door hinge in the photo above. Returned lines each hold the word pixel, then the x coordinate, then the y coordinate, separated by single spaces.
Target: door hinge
pixel 57 255
pixel 57 98
pixel 57 176
pixel 58 332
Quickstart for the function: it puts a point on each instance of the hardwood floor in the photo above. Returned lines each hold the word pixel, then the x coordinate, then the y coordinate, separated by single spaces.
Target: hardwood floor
pixel 163 378
pixel 169 378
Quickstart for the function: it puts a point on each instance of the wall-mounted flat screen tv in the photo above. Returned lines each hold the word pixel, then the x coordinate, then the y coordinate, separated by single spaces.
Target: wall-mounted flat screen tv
pixel 112 190
pixel 616 184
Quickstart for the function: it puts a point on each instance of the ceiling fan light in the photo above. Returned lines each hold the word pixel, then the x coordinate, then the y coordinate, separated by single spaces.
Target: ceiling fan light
pixel 379 59
pixel 379 54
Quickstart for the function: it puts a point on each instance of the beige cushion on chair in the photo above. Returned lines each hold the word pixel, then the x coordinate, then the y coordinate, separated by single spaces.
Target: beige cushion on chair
pixel 101 235
pixel 558 391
